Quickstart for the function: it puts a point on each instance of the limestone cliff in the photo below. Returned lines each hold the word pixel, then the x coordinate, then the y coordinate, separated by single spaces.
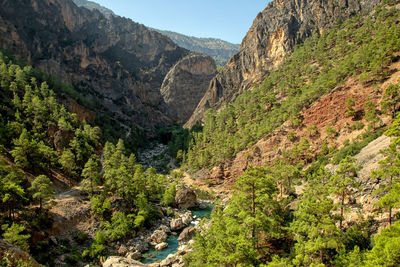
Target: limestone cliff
pixel 114 61
pixel 185 85
pixel 274 33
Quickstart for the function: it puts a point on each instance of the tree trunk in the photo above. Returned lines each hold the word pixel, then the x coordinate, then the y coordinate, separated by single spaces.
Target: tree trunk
pixel 253 211
pixel 390 216
pixel 91 188
pixel 341 211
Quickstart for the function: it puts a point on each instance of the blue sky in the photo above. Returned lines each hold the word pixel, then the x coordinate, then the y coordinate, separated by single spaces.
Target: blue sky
pixel 225 19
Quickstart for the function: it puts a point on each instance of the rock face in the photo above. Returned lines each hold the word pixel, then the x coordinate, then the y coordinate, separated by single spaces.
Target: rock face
pixel 185 85
pixel 274 33
pixel 113 61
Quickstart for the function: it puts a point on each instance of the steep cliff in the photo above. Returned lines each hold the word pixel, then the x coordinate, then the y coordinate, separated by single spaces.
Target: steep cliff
pixel 116 62
pixel 274 33
pixel 185 85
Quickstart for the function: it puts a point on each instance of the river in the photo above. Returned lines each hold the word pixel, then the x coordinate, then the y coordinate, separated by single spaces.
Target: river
pixel 154 255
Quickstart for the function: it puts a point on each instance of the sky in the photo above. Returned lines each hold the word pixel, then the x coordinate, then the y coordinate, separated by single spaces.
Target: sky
pixel 228 20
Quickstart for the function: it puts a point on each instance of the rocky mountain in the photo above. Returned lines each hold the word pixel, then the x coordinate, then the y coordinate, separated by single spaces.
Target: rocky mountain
pixel 193 73
pixel 274 33
pixel 115 62
pixel 92 5
pixel 221 51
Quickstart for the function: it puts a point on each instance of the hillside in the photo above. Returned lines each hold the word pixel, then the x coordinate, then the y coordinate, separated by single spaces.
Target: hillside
pixel 221 51
pixel 310 156
pixel 275 32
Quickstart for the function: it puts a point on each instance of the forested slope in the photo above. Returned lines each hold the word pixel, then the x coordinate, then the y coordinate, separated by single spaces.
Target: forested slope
pixel 319 199
pixel 361 47
pixel 44 149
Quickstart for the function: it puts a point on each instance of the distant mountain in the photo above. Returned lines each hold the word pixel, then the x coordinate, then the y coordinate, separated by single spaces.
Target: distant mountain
pixel 218 49
pixel 221 51
pixel 92 5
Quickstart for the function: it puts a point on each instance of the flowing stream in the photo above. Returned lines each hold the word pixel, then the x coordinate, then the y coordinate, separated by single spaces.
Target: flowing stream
pixel 154 255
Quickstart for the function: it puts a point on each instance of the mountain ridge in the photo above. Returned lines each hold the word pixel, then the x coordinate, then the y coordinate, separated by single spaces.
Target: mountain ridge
pixel 221 51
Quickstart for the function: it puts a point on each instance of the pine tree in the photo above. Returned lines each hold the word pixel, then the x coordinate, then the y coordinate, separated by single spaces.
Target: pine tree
pixel 391 99
pixel 314 225
pixel 344 182
pixel 68 163
pixel 13 235
pixel 91 173
pixel 41 187
pixel 389 175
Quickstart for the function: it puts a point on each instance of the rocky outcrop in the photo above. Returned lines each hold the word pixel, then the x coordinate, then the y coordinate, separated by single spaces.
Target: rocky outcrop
pixel 185 197
pixel 274 33
pixel 185 85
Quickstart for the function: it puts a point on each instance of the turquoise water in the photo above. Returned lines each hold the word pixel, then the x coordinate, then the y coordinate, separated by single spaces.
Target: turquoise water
pixel 203 213
pixel 153 255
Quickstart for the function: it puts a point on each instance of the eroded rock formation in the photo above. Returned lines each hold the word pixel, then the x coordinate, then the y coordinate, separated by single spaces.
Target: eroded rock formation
pixel 185 85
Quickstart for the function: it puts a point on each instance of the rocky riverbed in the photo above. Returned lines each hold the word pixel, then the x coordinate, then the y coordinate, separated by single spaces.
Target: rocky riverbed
pixel 164 244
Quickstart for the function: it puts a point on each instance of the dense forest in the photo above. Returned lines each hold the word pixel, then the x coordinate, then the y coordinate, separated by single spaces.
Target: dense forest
pixel 42 142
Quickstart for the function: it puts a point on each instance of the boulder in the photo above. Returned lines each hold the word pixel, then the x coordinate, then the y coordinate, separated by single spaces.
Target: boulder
pixel 115 261
pixel 187 218
pixel 185 197
pixel 158 236
pixel 168 261
pixel 187 234
pixel 136 255
pixel 161 246
pixel 177 224
pixel 141 246
pixel 164 228
pixel 202 206
pixel 122 250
